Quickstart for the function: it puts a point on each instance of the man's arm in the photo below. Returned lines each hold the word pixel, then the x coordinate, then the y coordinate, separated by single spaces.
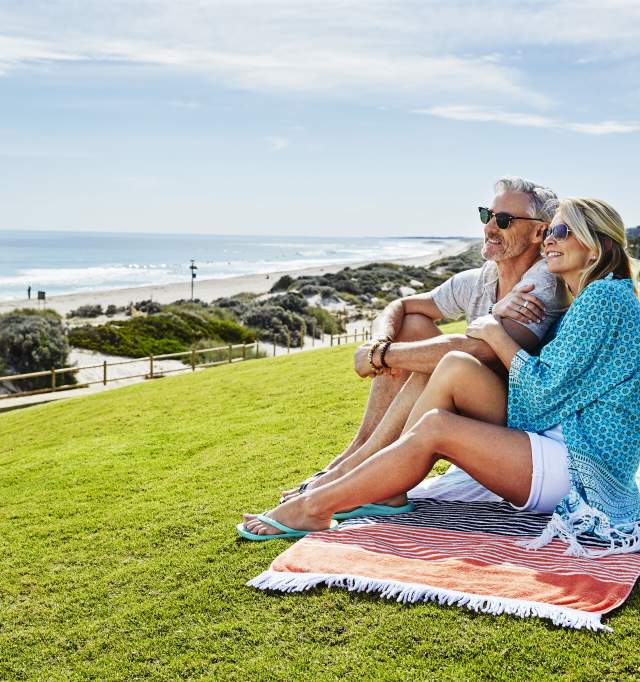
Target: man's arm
pixel 389 322
pixel 423 356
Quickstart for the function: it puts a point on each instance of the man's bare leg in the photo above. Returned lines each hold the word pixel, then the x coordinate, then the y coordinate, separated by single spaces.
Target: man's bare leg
pixel 400 391
pixel 385 388
pixel 497 457
pixel 389 429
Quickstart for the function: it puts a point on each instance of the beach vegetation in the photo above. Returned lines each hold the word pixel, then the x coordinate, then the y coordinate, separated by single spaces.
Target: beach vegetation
pixel 166 332
pixel 282 284
pixel 148 306
pixel 33 341
pixel 89 310
pixel 112 310
pixel 379 281
pixel 282 318
pixel 121 561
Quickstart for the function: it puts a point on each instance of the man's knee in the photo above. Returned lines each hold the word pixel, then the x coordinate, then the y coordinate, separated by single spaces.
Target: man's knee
pixel 417 327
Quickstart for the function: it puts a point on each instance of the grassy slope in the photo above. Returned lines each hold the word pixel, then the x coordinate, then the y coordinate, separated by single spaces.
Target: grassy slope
pixel 120 560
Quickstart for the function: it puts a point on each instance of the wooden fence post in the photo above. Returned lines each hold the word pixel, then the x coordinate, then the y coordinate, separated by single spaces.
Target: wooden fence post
pixel 151 367
pixel 104 373
pixel 244 351
pixel 331 342
pixel 53 379
pixel 193 359
pixel 230 350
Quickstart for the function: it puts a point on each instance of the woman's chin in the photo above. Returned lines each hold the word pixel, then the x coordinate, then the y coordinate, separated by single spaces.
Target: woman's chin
pixel 554 267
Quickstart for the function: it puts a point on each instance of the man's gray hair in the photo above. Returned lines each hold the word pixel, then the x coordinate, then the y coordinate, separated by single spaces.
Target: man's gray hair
pixel 544 201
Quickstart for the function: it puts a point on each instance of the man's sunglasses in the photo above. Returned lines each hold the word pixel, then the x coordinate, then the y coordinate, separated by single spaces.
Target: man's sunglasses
pixel 559 232
pixel 503 220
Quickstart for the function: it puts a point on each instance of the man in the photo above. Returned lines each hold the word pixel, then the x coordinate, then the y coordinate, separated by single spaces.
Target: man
pixel 412 343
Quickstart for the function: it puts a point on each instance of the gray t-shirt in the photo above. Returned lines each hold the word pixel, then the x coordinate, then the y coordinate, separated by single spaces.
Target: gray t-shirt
pixel 470 293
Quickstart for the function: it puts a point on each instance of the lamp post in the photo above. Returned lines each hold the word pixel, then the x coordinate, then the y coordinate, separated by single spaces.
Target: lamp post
pixel 193 267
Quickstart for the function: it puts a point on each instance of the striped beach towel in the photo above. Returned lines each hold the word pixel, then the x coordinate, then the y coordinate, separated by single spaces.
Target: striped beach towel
pixel 460 552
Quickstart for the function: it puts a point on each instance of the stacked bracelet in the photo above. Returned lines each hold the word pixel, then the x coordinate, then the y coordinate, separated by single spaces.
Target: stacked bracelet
pixel 372 350
pixel 383 352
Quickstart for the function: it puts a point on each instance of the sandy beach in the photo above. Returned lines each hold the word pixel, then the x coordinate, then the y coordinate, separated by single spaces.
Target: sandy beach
pixel 206 289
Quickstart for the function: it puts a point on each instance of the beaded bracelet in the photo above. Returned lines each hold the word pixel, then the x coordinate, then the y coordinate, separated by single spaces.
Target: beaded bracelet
pixel 372 350
pixel 383 352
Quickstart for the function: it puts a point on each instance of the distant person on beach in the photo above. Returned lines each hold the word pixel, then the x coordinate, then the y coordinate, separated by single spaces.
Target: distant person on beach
pixel 29 292
pixel 407 344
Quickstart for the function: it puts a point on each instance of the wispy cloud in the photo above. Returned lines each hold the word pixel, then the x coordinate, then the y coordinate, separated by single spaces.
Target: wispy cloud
pixel 411 52
pixel 184 104
pixel 276 144
pixel 512 118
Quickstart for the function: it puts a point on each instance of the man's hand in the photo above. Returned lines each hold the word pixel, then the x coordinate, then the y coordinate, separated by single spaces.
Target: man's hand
pixel 520 305
pixel 361 360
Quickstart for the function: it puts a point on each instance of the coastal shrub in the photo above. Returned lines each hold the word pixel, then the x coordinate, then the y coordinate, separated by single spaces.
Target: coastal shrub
pixel 293 302
pixel 33 343
pixel 282 284
pixel 86 311
pixel 273 322
pixel 273 317
pixel 112 309
pixel 167 332
pixel 327 294
pixel 324 320
pixel 148 306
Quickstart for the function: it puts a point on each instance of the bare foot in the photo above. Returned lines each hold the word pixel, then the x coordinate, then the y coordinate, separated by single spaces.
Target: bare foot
pixel 294 513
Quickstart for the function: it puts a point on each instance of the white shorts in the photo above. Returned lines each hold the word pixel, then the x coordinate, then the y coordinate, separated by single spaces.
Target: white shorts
pixel 550 480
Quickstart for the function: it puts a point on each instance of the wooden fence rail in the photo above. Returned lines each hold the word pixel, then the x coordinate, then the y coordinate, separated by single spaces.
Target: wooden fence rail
pixel 334 339
pixel 152 373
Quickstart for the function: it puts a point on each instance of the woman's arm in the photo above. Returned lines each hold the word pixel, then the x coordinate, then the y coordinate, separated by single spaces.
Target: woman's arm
pixel 490 330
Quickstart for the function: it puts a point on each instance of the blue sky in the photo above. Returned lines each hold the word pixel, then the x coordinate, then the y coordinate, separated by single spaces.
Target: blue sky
pixel 319 118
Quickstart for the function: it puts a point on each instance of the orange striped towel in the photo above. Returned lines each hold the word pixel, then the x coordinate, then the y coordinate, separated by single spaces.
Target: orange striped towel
pixel 463 553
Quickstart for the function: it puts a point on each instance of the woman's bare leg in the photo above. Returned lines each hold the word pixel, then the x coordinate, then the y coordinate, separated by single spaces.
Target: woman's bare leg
pixel 498 457
pixel 460 383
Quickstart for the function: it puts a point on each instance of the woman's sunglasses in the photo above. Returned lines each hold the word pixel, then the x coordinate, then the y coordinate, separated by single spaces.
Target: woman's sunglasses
pixel 559 232
pixel 503 220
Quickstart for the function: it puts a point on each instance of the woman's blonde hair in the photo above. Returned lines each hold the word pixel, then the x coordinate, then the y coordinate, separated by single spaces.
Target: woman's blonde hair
pixel 600 228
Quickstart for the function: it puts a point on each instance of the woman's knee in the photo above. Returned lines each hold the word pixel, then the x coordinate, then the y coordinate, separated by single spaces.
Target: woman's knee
pixel 431 424
pixel 456 362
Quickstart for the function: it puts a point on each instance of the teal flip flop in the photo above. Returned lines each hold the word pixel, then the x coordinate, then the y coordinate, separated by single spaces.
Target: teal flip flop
pixel 286 531
pixel 374 510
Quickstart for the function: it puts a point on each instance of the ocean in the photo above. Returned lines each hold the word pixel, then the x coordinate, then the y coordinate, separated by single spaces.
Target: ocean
pixel 74 262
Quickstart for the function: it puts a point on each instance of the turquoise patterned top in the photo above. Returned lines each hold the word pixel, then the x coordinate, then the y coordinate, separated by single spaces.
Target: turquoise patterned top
pixel 588 380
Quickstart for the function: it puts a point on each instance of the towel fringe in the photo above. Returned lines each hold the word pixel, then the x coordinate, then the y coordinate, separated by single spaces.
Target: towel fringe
pixel 409 593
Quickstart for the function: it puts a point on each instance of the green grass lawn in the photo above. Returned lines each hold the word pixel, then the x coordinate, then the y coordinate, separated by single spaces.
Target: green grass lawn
pixel 120 559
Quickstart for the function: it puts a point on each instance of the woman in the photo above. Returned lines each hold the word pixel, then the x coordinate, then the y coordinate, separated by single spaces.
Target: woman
pixel 573 441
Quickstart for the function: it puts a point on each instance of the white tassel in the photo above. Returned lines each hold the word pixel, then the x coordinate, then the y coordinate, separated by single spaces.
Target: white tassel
pixel 413 593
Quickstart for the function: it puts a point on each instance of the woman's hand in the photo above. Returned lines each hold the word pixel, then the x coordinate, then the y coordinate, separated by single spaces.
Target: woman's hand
pixel 487 328
pixel 520 305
